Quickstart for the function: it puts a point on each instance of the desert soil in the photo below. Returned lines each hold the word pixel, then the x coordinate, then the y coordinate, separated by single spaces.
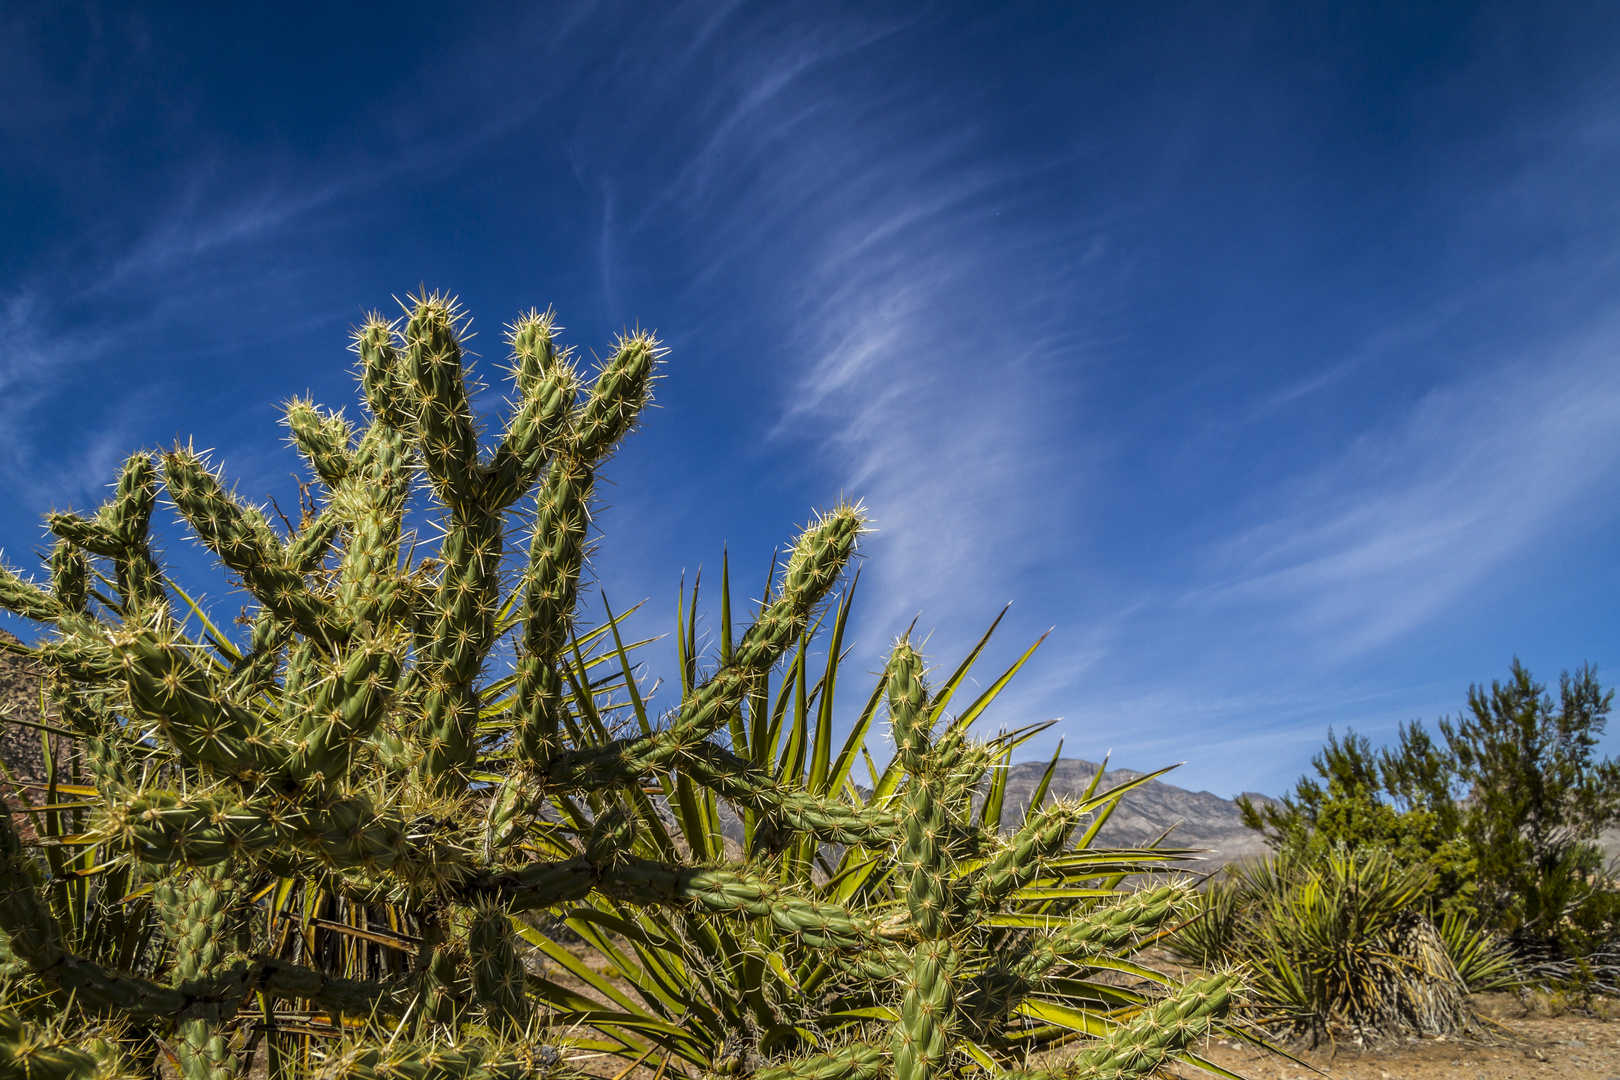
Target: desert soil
pixel 1569 1047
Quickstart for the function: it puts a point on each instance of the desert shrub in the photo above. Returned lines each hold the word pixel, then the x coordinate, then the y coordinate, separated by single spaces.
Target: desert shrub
pixel 1502 813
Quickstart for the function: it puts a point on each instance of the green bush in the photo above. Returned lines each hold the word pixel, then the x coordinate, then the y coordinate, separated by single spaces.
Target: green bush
pixel 1502 813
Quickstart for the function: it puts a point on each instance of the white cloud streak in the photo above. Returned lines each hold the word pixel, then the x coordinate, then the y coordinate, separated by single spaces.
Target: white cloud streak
pixel 1374 544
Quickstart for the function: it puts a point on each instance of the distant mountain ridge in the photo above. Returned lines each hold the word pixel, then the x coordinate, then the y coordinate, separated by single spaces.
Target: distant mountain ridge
pixel 1197 819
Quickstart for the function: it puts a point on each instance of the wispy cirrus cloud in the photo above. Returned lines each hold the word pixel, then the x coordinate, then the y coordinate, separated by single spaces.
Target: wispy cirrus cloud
pixel 1369 546
pixel 1292 617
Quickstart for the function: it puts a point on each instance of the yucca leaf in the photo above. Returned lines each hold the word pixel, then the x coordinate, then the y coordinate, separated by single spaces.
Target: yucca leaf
pixel 820 780
pixel 996 796
pixel 629 675
pixel 838 776
pixel 980 1055
pixel 1039 795
pixel 984 700
pixel 574 966
pixel 790 767
pixel 947 690
pixel 1187 1057
pixel 1065 1016
pixel 220 641
pixel 693 821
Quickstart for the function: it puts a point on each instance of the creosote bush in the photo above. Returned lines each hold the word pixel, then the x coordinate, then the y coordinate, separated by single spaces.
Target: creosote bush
pixel 318 848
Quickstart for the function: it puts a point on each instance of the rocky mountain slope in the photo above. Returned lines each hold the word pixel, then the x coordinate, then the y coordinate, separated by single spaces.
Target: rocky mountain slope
pixel 1197 819
pixel 19 696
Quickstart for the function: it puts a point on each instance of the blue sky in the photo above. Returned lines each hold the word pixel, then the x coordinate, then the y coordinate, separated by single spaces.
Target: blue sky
pixel 1268 353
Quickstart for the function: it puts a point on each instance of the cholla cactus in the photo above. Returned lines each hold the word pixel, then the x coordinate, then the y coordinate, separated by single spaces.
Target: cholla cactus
pixel 317 842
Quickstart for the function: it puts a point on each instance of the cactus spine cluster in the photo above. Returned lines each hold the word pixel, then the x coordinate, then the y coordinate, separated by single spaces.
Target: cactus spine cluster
pixel 320 843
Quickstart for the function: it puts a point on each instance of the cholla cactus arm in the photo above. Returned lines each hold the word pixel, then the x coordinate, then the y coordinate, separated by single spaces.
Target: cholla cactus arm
pixel 440 959
pixel 463 629
pixel 70 577
pixel 463 626
pixel 924 856
pixel 820 925
pixel 255 672
pixel 358 997
pixel 119 532
pixel 198 913
pixel 819 556
pixel 1148 1043
pixel 91 534
pixel 1018 967
pixel 857 1061
pixel 344 708
pixel 1043 835
pixel 921 1040
pixel 80 650
pixel 536 885
pixel 432 368
pixel 382 373
pixel 562 513
pixel 35 938
pixel 244 542
pixel 550 594
pixel 169 688
pixel 700 890
pixel 339 833
pixel 309 548
pixel 22 597
pixel 556 557
pixel 325 439
pixel 743 784
pixel 546 386
pixel 104 741
pixel 1131 918
pixel 128 516
pixel 417 1061
pixel 961 770
pixel 25 919
pixel 497 971
pixel 371 588
pixel 200 910
pixel 32 1052
pixel 622 389
pixel 908 707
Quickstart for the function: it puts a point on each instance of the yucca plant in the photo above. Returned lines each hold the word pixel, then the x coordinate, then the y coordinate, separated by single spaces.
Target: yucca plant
pixel 315 842
pixel 1036 919
pixel 1340 946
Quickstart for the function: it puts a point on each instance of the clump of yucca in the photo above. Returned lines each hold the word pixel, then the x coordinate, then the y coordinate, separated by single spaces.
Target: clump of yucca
pixel 315 843
pixel 1340 946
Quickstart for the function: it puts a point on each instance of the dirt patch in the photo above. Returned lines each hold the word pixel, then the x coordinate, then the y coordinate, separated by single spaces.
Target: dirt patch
pixel 19 697
pixel 1572 1046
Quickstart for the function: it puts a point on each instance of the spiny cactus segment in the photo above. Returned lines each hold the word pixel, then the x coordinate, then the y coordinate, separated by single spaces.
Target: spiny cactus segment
pixel 319 843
